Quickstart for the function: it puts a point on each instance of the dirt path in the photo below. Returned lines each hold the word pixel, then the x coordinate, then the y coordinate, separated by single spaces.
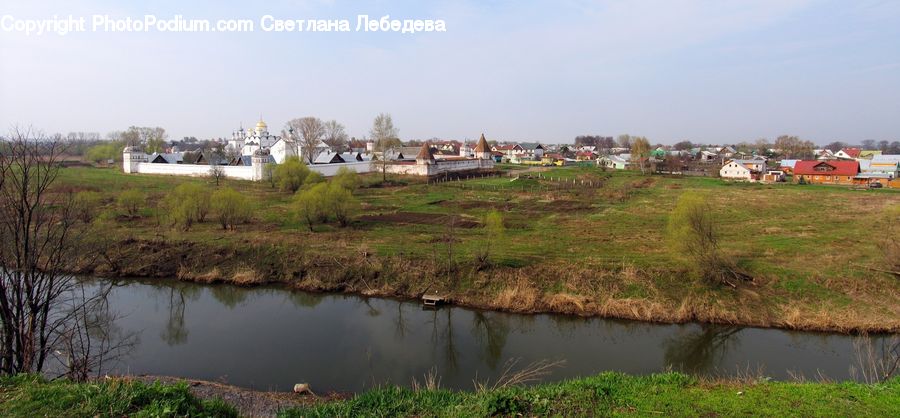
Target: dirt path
pixel 249 403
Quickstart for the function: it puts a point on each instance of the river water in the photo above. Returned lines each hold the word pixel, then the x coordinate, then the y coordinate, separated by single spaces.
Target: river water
pixel 271 338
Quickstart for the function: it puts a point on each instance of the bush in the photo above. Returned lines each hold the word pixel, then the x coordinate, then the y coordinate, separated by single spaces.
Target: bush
pixel 341 203
pixel 131 201
pixel 309 204
pixel 290 174
pixel 230 208
pixel 86 204
pixel 316 203
pixel 347 179
pixel 186 204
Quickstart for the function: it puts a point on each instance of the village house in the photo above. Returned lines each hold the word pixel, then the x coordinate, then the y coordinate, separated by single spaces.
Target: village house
pixel 848 153
pixel 826 172
pixel 618 162
pixel 748 170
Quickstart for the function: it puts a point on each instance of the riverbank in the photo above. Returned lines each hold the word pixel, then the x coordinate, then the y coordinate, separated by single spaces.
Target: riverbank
pixel 670 394
pixel 613 293
pixel 811 250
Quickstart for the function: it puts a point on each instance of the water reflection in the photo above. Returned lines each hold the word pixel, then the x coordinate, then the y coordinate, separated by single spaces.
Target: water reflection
pixel 701 350
pixel 270 337
pixel 179 295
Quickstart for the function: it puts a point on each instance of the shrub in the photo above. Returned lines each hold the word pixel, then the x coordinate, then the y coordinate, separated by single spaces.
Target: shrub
pixel 341 203
pixel 230 208
pixel 86 205
pixel 316 203
pixel 290 174
pixel 347 179
pixel 693 231
pixel 131 201
pixel 309 204
pixel 186 204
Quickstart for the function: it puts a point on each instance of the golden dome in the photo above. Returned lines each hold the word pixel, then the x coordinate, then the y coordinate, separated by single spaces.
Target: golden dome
pixel 261 125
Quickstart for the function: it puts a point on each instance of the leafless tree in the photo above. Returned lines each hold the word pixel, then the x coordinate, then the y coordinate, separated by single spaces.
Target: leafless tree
pixel 335 136
pixel 39 235
pixel 310 131
pixel 217 173
pixel 386 142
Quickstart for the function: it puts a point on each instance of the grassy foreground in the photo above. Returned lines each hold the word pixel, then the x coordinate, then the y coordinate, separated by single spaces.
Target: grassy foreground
pixel 814 251
pixel 32 396
pixel 613 394
pixel 607 394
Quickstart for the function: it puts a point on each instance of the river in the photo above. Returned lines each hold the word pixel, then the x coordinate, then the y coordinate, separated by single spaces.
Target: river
pixel 271 338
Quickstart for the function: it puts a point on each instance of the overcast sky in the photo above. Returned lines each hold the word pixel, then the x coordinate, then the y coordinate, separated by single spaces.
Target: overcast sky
pixel 670 70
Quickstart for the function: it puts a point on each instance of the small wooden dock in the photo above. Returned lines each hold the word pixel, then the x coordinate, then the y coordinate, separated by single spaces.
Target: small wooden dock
pixel 433 300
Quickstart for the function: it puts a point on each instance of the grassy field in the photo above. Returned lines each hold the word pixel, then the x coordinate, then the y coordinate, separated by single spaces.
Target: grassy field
pixel 813 250
pixel 615 394
pixel 607 394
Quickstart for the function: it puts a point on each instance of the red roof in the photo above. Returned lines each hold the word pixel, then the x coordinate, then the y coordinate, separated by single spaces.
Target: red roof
pixel 838 168
pixel 852 152
pixel 507 147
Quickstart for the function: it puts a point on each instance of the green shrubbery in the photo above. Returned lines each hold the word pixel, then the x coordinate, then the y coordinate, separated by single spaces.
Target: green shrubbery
pixel 230 208
pixel 86 205
pixel 130 201
pixel 187 204
pixel 291 174
pixel 318 202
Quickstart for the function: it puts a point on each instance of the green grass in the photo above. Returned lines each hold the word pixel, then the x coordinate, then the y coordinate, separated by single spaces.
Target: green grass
pixel 32 396
pixel 615 394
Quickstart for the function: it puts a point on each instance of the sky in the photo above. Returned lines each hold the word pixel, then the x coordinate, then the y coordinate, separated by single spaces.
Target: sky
pixel 670 70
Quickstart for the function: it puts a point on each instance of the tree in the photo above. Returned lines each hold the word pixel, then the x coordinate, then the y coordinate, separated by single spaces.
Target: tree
pixel 311 131
pixel 86 205
pixel 869 144
pixel 151 139
pixel 269 174
pixel 309 204
pixel 835 146
pixel 346 178
pixel 217 173
pixel 385 136
pixel 340 203
pixel 131 201
pixel 693 232
pixel 624 141
pixel 39 239
pixel 683 146
pixel 187 204
pixel 230 208
pixel 104 152
pixel 493 231
pixel 640 149
pixel 335 136
pixel 290 174
pixel 794 147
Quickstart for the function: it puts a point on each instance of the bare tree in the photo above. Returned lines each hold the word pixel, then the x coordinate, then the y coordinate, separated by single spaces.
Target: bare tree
pixel 386 142
pixel 310 130
pixel 217 173
pixel 39 235
pixel 335 136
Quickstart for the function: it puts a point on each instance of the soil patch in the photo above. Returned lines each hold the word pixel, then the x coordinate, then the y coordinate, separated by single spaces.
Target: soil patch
pixel 416 218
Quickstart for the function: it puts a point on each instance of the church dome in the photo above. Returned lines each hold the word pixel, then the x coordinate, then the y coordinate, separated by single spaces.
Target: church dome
pixel 261 125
